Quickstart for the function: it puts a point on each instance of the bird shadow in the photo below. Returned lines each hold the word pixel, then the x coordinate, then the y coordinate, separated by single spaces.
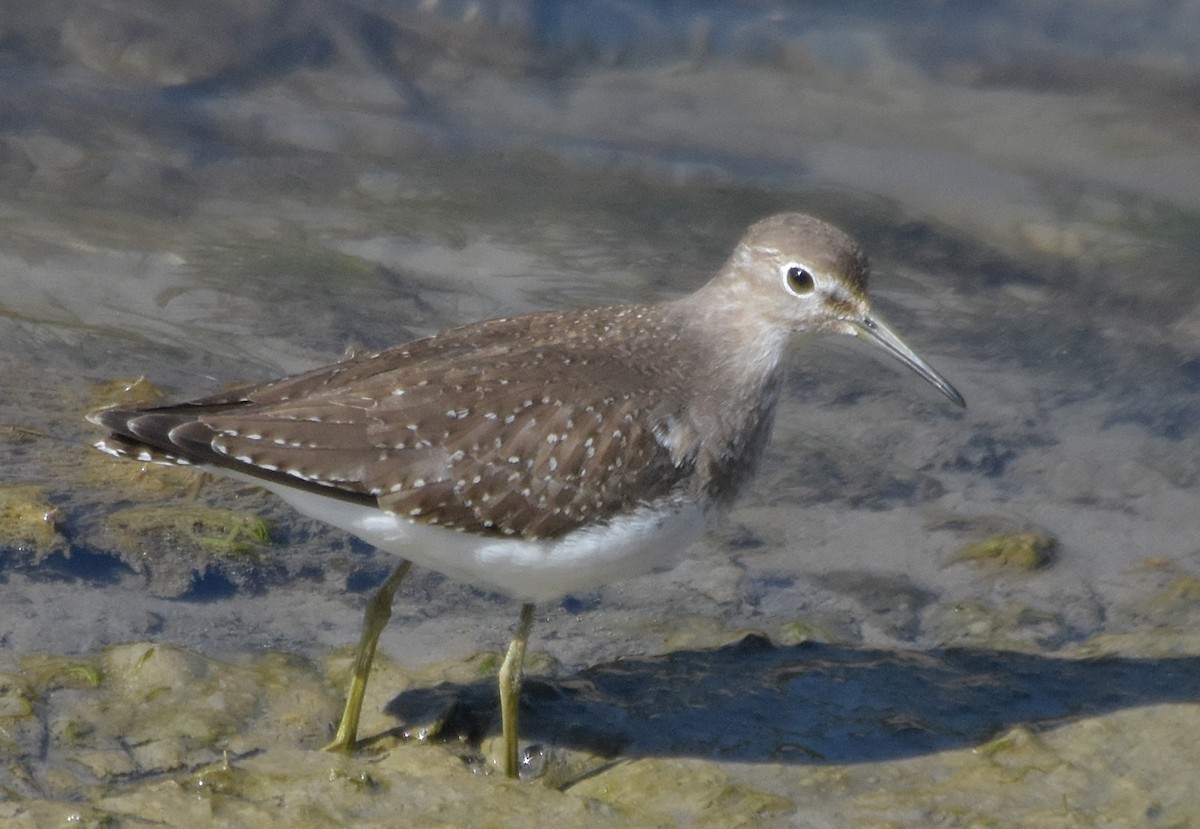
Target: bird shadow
pixel 810 703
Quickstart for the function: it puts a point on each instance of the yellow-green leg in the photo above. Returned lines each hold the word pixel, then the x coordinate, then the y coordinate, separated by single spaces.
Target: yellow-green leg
pixel 512 674
pixel 375 619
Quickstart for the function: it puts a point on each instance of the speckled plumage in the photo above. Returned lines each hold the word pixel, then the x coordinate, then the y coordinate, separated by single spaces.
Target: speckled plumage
pixel 529 426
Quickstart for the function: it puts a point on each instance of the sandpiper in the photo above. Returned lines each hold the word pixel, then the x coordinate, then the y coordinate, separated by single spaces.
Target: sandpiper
pixel 540 454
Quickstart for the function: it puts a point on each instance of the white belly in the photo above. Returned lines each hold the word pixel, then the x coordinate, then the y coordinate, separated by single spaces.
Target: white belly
pixel 531 571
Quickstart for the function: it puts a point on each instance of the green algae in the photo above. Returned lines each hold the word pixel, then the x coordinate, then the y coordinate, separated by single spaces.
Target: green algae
pixel 1025 551
pixel 799 631
pixel 130 393
pixel 223 532
pixel 51 673
pixel 1009 625
pixel 15 698
pixel 1177 603
pixel 29 522
pixel 1182 590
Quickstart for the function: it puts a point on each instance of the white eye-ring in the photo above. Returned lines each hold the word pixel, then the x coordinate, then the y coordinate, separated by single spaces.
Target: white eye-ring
pixel 798 279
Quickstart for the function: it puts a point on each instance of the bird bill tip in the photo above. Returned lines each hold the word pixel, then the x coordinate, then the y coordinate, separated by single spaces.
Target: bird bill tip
pixel 873 330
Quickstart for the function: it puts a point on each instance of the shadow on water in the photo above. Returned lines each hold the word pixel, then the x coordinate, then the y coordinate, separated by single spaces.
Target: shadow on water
pixel 811 703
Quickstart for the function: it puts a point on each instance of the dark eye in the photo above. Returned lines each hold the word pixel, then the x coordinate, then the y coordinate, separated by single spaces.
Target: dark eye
pixel 799 280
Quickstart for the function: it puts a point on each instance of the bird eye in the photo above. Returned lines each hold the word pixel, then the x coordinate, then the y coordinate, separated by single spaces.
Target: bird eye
pixel 799 280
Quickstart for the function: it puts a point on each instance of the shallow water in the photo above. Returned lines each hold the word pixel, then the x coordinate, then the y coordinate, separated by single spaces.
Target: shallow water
pixel 316 179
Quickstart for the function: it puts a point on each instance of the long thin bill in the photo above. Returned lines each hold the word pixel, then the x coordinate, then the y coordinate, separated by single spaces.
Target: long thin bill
pixel 874 331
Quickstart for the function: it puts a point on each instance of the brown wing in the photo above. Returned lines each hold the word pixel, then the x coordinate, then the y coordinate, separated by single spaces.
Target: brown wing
pixel 524 427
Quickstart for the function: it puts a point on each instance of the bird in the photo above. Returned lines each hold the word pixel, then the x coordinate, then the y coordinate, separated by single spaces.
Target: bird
pixel 535 455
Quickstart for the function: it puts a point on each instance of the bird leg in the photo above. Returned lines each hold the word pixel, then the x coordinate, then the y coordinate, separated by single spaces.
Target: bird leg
pixel 512 675
pixel 375 619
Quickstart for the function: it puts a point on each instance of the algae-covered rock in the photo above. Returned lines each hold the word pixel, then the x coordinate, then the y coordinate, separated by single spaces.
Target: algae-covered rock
pixel 223 532
pixel 29 522
pixel 133 392
pixel 1012 551
pixel 15 701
